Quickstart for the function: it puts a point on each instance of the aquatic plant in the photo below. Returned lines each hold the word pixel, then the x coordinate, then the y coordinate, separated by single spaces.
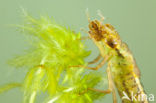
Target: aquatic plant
pixel 53 50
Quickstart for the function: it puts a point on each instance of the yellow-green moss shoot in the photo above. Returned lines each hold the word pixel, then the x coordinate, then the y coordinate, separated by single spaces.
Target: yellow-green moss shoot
pixel 53 50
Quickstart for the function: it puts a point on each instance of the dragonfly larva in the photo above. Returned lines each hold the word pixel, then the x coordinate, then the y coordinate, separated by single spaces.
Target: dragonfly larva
pixel 122 70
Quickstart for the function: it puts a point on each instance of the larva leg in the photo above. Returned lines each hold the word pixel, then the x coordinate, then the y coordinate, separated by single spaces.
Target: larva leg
pixel 95 60
pixel 109 90
pixel 101 91
pixel 111 84
pixel 110 87
pixel 94 68
pixel 85 37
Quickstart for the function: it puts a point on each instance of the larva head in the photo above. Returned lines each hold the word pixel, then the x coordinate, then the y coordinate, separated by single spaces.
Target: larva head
pixel 104 33
pixel 95 30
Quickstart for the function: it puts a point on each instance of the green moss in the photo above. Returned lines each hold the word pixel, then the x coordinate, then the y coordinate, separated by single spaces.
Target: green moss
pixel 53 50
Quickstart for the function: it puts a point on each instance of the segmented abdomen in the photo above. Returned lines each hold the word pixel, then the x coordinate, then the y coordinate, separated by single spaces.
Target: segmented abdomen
pixel 128 85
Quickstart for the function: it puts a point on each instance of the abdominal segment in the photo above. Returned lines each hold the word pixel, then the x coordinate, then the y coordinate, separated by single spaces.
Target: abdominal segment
pixel 129 87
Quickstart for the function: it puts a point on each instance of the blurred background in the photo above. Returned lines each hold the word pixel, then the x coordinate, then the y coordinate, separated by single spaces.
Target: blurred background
pixel 135 20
